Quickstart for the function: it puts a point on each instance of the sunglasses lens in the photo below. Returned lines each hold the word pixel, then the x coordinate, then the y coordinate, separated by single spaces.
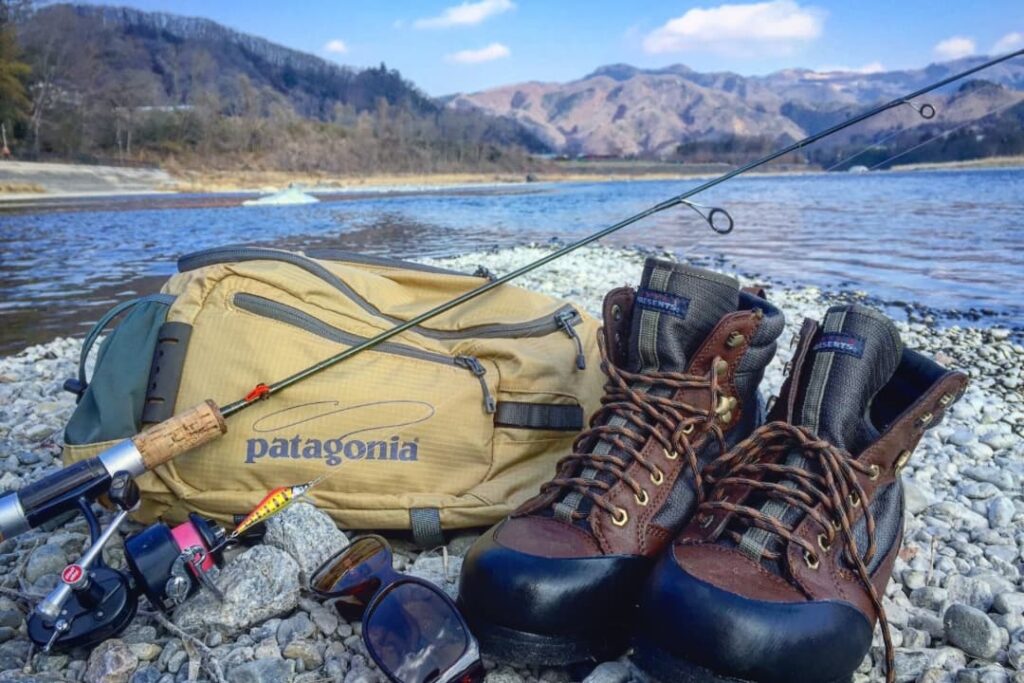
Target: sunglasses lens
pixel 353 573
pixel 415 633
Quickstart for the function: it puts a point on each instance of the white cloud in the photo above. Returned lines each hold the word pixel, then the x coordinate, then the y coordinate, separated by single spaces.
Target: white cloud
pixel 954 48
pixel 484 54
pixel 777 26
pixel 336 46
pixel 870 68
pixel 1008 43
pixel 466 14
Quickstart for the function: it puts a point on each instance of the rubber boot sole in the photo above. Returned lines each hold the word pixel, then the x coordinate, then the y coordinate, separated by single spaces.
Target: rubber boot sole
pixel 523 647
pixel 662 667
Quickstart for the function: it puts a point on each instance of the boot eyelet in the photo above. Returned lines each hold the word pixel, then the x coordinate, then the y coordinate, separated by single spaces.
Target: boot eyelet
pixel 836 525
pixel 823 543
pixel 688 429
pixel 925 420
pixel 945 400
pixel 705 521
pixel 854 499
pixel 901 460
pixel 620 517
pixel 735 339
pixel 721 367
pixel 876 472
pixel 670 455
pixel 657 477
pixel 616 312
pixel 811 560
pixel 642 501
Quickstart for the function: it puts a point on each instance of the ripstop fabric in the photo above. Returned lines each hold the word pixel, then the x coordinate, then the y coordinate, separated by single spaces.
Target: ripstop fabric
pixel 464 416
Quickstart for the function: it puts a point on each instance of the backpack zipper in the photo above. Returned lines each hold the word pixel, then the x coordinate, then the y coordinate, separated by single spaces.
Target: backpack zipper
pixel 283 313
pixel 531 328
pixel 478 370
pixel 565 321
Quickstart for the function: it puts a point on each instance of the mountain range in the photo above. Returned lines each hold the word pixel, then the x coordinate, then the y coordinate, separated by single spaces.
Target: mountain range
pixel 621 110
pixel 130 59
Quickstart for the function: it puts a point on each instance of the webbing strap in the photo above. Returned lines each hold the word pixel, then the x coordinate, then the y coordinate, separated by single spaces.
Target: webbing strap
pixel 425 524
pixel 553 416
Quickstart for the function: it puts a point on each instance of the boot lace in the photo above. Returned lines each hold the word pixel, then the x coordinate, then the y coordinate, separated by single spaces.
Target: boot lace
pixel 830 495
pixel 673 424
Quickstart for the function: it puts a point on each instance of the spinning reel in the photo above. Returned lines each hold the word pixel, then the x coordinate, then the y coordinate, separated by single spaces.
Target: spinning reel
pixel 94 601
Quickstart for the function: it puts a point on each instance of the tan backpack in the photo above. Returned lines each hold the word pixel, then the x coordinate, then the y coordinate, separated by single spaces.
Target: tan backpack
pixel 449 425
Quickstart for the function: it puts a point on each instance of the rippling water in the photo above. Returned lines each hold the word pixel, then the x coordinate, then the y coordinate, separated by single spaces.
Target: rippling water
pixel 949 240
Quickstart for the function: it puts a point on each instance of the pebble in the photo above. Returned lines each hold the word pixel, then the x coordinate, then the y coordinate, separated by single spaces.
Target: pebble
pixel 299 626
pixel 263 671
pixel 45 560
pixel 1001 512
pixel 972 631
pixel 111 662
pixel 1009 603
pixel 609 672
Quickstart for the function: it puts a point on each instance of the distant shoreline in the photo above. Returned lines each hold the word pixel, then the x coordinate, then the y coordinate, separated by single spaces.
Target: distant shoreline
pixel 39 183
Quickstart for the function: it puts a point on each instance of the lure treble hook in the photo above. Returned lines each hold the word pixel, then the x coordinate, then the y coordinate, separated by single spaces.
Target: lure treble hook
pixel 926 110
pixel 709 217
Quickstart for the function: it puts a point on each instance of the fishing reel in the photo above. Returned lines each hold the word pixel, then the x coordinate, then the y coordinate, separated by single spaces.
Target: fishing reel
pixel 94 601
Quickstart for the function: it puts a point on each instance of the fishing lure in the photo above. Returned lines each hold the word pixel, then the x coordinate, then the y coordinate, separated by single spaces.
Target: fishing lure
pixel 273 503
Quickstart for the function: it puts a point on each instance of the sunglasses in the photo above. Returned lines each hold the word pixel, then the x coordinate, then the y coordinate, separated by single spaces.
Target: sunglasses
pixel 411 628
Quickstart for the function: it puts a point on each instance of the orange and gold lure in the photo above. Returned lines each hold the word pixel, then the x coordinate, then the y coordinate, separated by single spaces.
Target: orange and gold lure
pixel 273 503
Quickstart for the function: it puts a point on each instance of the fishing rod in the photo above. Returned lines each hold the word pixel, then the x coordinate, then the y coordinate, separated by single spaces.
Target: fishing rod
pixel 95 601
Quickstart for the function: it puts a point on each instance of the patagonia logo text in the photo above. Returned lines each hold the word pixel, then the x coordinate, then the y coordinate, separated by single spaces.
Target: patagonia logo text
pixel 375 422
pixel 840 342
pixel 331 451
pixel 662 302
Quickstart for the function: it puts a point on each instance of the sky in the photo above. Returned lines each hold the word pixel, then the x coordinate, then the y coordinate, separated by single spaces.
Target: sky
pixel 447 46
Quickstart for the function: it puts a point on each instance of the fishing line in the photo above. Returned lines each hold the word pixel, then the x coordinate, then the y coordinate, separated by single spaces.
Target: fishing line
pixel 938 136
pixel 926 111
pixel 263 391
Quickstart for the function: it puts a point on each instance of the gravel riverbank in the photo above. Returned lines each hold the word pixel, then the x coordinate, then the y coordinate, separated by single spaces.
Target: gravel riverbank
pixel 956 602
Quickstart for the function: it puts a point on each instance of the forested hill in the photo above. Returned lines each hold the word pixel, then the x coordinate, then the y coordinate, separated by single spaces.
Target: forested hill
pixel 112 83
pixel 189 56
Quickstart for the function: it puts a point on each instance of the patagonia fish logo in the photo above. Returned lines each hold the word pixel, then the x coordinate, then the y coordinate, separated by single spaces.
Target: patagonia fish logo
pixel 662 302
pixel 840 342
pixel 375 420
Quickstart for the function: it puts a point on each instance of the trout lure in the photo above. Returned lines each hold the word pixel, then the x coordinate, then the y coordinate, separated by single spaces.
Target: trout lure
pixel 273 503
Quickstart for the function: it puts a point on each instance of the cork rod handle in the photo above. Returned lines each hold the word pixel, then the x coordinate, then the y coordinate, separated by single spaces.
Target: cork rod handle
pixel 180 434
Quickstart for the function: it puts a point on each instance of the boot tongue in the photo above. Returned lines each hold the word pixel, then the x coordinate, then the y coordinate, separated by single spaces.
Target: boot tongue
pixel 676 307
pixel 854 355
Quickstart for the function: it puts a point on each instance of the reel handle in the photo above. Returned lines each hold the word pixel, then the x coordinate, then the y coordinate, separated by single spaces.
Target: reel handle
pixel 167 440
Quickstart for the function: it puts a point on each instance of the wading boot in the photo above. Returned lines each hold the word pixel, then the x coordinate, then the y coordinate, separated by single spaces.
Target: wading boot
pixel 557 581
pixel 778 577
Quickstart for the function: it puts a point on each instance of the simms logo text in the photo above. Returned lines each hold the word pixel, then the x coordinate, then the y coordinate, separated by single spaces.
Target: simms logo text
pixel 380 417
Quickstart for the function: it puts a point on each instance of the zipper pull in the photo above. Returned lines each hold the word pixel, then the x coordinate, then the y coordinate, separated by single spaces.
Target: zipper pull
pixel 564 321
pixel 478 370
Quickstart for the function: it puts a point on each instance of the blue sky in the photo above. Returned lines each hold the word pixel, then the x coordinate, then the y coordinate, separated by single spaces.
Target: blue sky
pixel 447 46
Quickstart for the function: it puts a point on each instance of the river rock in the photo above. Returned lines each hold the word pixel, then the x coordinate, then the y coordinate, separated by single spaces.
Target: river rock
pixel 111 662
pixel 972 631
pixel 609 672
pixel 261 583
pixel 307 534
pixel 44 560
pixel 263 671
pixel 1001 512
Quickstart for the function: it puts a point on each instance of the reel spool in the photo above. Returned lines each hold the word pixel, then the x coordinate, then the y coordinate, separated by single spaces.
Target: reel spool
pixel 94 601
